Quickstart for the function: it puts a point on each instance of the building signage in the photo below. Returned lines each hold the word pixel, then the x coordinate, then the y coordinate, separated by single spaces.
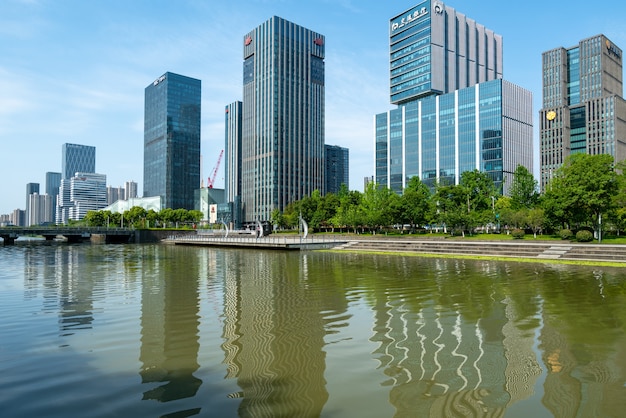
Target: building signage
pixel 247 41
pixel 612 50
pixel 408 19
pixel 158 80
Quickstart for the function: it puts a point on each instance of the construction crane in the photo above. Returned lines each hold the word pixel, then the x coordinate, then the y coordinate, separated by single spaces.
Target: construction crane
pixel 211 179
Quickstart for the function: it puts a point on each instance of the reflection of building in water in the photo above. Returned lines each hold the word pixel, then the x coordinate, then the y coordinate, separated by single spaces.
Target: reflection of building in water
pixel 169 323
pixel 274 336
pixel 444 360
pixel 67 288
pixel 581 382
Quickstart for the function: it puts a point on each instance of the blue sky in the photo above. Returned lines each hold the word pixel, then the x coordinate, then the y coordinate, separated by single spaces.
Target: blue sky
pixel 75 70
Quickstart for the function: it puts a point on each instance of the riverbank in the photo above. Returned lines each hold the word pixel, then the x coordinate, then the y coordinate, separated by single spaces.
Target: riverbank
pixel 520 250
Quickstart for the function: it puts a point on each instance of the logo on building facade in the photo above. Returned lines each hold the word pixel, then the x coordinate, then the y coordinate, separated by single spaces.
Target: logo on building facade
pixel 158 80
pixel 247 41
pixel 612 50
pixel 438 7
pixel 318 41
pixel 551 115
pixel 410 18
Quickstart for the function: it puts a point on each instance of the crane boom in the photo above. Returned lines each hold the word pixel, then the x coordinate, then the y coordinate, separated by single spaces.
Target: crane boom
pixel 211 179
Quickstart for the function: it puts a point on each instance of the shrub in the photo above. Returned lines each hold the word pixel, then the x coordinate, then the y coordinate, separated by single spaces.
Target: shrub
pixel 566 234
pixel 584 236
pixel 518 233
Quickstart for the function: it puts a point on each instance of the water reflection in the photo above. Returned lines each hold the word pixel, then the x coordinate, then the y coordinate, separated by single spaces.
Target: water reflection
pixel 274 336
pixel 255 333
pixel 169 324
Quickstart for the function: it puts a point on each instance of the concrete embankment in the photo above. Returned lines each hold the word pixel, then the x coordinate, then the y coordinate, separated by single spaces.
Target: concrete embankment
pixel 546 250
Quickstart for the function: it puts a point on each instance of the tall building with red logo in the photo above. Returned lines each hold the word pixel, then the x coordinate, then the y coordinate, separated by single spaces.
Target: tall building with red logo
pixel 282 130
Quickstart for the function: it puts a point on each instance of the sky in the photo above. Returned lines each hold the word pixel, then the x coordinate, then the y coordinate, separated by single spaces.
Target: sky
pixel 74 71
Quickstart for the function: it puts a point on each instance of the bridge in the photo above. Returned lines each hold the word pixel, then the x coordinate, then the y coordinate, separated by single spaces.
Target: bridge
pixel 72 234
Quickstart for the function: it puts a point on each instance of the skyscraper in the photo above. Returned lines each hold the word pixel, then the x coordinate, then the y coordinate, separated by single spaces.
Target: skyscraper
pixel 455 113
pixel 77 158
pixel 53 183
pixel 31 188
pixel 232 166
pixel 282 150
pixel 171 164
pixel 337 168
pixel 583 110
pixel 433 49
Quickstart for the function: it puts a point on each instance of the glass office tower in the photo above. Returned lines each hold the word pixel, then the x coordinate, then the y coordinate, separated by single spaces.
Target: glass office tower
pixel 282 150
pixel 455 113
pixel 232 167
pixel 433 49
pixel 337 168
pixel 171 161
pixel 486 127
pixel 583 110
pixel 77 158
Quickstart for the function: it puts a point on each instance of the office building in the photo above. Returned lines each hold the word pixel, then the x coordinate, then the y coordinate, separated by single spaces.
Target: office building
pixel 53 183
pixel 31 188
pixel 486 127
pixel 337 168
pixel 232 162
pixel 171 165
pixel 282 152
pixel 455 112
pixel 583 110
pixel 80 194
pixel 433 49
pixel 77 158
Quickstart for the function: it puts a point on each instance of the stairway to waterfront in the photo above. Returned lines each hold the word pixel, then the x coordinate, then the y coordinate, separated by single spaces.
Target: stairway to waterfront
pixel 515 249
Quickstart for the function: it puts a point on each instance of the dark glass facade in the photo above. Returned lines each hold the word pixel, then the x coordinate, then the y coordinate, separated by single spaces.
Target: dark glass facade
pixel 337 168
pixel 172 140
pixel 282 117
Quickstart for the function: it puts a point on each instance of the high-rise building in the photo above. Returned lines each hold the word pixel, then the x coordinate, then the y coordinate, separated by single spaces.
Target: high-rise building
pixel 583 110
pixel 433 49
pixel 455 113
pixel 282 151
pixel 114 194
pixel 53 183
pixel 40 209
pixel 171 161
pixel 80 194
pixel 77 158
pixel 232 164
pixel 337 168
pixel 130 190
pixel 31 188
pixel 486 127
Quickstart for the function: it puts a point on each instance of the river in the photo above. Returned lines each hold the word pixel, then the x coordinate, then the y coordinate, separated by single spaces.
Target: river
pixel 171 331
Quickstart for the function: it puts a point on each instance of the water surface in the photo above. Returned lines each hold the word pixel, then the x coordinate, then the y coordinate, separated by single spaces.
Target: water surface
pixel 170 331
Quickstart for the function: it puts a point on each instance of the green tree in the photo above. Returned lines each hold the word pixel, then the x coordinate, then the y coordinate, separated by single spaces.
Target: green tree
pixel 583 189
pixel 95 218
pixel 378 206
pixel 135 215
pixel 414 203
pixel 524 191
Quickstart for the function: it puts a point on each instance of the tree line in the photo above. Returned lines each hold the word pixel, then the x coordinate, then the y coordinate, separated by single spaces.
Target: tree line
pixel 588 192
pixel 138 217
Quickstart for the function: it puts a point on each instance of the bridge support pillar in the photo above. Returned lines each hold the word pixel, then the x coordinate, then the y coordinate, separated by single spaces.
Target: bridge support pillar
pixel 8 239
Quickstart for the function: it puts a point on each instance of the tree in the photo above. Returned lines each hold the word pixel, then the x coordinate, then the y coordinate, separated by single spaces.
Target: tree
pixel 524 189
pixel 378 205
pixel 535 218
pixel 414 203
pixel 583 189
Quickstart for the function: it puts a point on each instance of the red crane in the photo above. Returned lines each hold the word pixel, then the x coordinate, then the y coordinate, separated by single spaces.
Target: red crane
pixel 211 179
